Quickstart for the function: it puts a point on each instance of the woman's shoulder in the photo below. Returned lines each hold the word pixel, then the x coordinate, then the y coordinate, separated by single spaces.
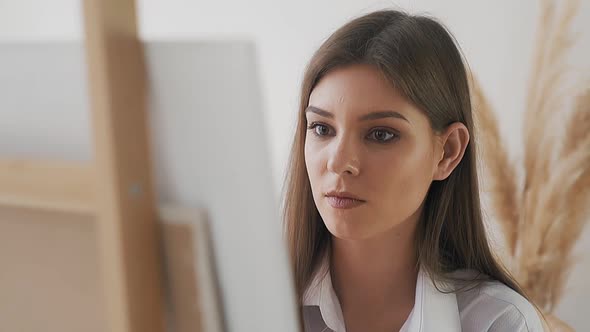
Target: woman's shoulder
pixel 492 306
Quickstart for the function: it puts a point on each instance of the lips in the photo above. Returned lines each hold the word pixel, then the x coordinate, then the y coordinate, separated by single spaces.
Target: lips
pixel 343 200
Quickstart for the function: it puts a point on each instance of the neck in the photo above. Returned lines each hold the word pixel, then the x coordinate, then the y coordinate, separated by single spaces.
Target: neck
pixel 379 272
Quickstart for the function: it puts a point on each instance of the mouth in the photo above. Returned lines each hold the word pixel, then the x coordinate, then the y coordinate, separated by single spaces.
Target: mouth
pixel 343 200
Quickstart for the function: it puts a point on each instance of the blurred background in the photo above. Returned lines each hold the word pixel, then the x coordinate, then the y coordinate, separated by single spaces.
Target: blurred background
pixel 267 43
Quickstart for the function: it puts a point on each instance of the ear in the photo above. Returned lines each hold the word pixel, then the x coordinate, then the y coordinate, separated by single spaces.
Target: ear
pixel 453 141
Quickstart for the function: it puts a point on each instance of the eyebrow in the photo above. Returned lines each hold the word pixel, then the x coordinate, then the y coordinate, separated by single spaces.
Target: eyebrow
pixel 366 117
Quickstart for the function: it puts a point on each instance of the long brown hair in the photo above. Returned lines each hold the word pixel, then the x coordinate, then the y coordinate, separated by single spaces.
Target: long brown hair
pixel 420 58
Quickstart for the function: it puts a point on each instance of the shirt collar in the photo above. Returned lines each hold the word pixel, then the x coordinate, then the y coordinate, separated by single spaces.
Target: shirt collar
pixel 433 310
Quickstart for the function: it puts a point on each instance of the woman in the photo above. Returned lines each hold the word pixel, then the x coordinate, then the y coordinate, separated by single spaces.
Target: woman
pixel 382 210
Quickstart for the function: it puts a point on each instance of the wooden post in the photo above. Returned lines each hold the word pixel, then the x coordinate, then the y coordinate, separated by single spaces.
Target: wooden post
pixel 125 209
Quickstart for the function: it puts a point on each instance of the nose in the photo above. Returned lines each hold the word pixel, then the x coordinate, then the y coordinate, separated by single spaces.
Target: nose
pixel 343 158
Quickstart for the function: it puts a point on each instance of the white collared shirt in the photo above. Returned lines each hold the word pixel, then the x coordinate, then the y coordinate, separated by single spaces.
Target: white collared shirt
pixel 491 306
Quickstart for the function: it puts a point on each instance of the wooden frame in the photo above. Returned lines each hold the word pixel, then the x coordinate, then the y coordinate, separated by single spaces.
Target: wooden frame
pixel 116 187
pixel 192 288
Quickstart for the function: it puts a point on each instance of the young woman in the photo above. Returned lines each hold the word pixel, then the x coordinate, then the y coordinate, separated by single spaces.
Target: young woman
pixel 382 208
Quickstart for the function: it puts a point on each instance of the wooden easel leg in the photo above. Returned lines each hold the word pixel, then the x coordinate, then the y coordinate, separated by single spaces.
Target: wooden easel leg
pixel 125 209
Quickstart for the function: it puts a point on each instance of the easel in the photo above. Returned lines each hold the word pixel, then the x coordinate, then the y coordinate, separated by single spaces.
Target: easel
pixel 115 191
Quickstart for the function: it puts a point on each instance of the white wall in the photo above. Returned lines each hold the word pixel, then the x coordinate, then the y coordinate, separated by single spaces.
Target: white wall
pixel 496 36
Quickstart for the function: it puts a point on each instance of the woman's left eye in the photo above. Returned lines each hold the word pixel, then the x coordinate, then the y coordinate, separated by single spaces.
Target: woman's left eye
pixel 381 135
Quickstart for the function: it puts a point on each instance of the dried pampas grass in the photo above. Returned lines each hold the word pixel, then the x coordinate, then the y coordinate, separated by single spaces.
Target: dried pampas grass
pixel 504 188
pixel 543 217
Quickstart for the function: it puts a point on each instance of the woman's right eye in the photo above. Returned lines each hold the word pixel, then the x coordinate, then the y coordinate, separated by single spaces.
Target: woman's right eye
pixel 319 129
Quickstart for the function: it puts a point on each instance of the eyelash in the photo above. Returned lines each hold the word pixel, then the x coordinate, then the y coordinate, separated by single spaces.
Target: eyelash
pixel 393 135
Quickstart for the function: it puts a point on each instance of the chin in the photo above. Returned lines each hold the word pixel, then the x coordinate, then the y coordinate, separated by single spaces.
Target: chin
pixel 348 228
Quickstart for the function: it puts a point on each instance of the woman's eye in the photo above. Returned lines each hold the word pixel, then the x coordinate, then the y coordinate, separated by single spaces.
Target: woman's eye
pixel 320 129
pixel 381 135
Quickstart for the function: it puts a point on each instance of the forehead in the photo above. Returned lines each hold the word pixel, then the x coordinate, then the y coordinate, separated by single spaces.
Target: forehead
pixel 356 89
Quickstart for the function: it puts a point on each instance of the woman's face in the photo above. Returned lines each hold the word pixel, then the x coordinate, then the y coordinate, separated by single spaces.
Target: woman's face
pixel 370 154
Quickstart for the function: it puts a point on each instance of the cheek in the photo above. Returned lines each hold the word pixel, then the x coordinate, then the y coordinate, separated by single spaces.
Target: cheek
pixel 408 176
pixel 312 157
